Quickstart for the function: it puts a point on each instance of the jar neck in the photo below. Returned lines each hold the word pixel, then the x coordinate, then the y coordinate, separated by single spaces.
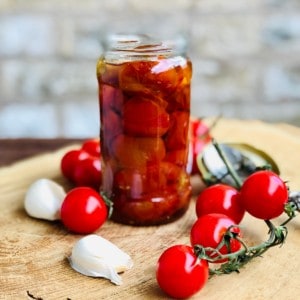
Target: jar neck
pixel 123 48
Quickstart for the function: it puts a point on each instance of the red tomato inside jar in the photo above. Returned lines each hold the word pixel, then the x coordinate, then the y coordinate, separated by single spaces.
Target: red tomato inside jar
pixel 144 95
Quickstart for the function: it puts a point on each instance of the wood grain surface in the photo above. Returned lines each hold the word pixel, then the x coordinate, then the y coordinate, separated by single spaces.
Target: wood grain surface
pixel 33 253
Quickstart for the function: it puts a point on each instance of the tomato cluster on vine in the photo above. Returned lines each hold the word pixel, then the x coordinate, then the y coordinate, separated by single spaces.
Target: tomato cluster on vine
pixel 183 270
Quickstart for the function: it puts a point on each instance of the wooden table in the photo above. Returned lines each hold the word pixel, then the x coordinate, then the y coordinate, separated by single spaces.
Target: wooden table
pixel 12 150
pixel 33 253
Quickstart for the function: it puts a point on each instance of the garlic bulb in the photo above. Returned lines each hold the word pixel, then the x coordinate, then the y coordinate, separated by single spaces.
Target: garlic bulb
pixel 95 256
pixel 43 199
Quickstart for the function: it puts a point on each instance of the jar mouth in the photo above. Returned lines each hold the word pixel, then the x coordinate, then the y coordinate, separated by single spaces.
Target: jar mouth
pixel 137 47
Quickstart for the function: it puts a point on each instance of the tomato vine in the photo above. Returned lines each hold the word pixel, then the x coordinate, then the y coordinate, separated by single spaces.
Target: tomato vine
pixel 263 194
pixel 277 234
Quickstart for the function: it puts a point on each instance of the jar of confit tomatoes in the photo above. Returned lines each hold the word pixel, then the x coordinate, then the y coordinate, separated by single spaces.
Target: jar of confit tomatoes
pixel 144 96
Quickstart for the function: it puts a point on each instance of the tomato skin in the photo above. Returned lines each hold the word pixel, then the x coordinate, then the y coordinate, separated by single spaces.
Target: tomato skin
pixel 223 199
pixel 199 128
pixel 137 152
pixel 154 123
pixel 177 136
pixel 209 230
pixel 92 146
pixel 83 210
pixel 82 166
pixel 69 160
pixel 158 75
pixel 264 195
pixel 87 172
pixel 199 138
pixel 179 273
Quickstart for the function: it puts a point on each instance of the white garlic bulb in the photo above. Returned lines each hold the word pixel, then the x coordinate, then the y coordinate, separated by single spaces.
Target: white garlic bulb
pixel 43 199
pixel 95 256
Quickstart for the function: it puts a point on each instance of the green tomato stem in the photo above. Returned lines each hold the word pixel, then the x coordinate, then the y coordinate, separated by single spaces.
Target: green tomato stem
pixel 211 126
pixel 238 259
pixel 228 165
pixel 109 204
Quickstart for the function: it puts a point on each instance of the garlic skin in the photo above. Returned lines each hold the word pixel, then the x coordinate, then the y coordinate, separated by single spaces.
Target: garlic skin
pixel 43 199
pixel 95 256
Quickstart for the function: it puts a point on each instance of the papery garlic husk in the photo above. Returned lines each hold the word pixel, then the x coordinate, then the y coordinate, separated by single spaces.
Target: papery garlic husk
pixel 43 199
pixel 95 256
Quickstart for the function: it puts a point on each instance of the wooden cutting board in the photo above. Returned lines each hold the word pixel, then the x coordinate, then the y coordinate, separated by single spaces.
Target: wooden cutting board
pixel 33 253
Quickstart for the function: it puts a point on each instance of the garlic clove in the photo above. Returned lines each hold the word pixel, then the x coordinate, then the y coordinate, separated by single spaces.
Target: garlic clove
pixel 43 199
pixel 95 256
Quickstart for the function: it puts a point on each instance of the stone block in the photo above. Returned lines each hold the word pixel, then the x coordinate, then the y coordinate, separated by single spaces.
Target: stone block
pixel 81 118
pixel 28 35
pixel 281 33
pixel 281 83
pixel 88 38
pixel 223 81
pixel 234 6
pixel 36 80
pixel 223 36
pixel 28 120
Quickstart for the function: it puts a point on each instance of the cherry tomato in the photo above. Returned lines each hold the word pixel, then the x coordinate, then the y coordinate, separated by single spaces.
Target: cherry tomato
pixel 112 126
pixel 111 97
pixel 154 123
pixel 137 152
pixel 199 138
pixel 264 195
pixel 92 147
pixel 209 230
pixel 82 166
pixel 177 136
pixel 87 172
pixel 198 128
pixel 69 161
pixel 158 75
pixel 220 198
pixel 83 210
pixel 179 273
pixel 178 157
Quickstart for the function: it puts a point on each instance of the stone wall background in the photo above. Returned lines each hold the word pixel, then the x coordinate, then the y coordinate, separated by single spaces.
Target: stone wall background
pixel 246 58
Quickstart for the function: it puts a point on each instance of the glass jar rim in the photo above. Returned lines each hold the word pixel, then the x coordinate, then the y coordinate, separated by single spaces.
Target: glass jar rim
pixel 139 46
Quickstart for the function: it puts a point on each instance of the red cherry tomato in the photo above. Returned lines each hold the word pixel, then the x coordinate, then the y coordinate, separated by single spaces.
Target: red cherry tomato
pixel 198 128
pixel 154 123
pixel 199 138
pixel 177 136
pixel 220 198
pixel 159 75
pixel 264 195
pixel 87 172
pixel 209 230
pixel 137 152
pixel 82 166
pixel 83 210
pixel 179 273
pixel 111 126
pixel 92 147
pixel 69 161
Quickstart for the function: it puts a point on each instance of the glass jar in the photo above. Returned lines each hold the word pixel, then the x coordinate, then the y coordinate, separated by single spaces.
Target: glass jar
pixel 144 96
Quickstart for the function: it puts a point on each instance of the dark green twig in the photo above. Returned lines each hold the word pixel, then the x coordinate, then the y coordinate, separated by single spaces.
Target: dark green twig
pixel 228 165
